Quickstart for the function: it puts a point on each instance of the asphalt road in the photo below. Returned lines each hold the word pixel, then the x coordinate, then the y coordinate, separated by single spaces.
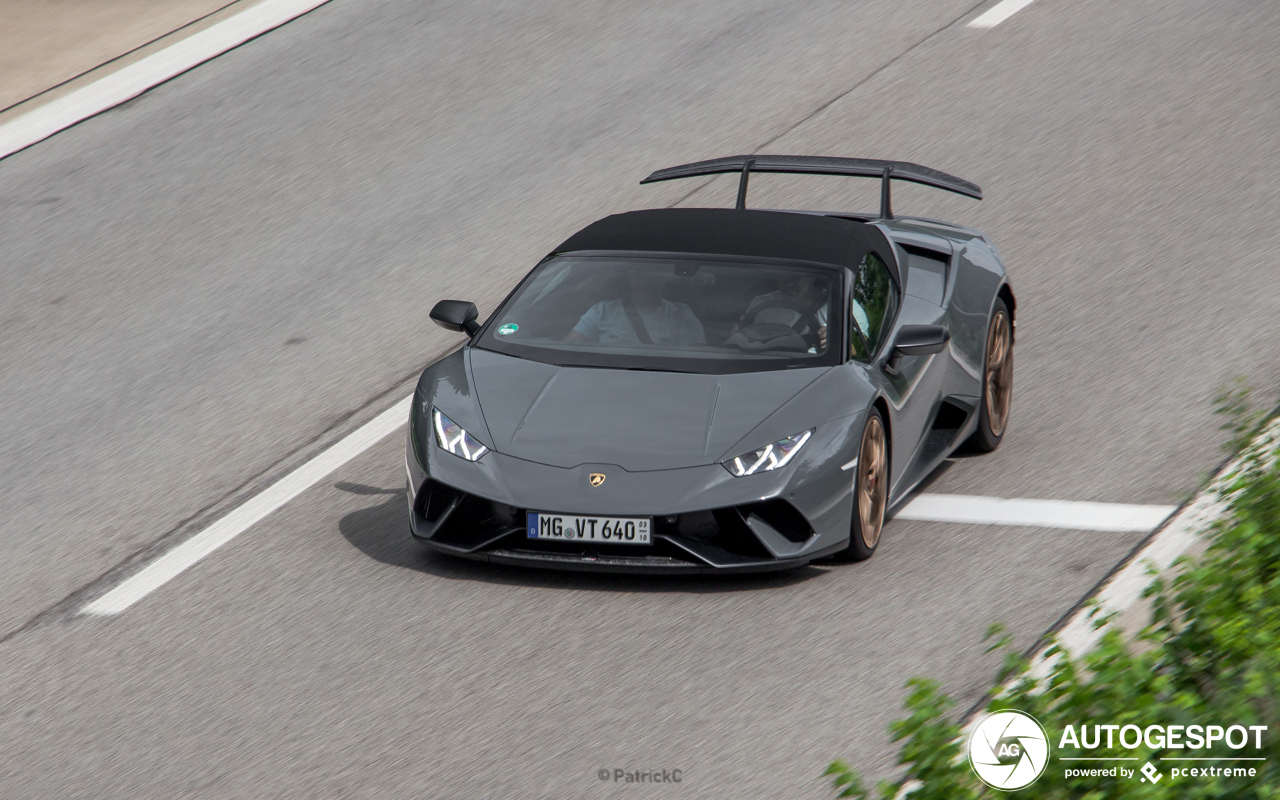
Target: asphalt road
pixel 209 284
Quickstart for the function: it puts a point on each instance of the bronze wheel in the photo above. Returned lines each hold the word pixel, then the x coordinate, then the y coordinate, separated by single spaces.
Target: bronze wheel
pixel 997 380
pixel 870 489
pixel 999 373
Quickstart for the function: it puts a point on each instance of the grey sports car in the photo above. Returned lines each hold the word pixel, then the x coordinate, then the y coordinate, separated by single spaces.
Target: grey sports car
pixel 693 390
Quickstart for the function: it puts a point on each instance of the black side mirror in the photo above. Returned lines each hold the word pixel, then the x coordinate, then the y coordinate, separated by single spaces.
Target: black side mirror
pixel 916 340
pixel 456 315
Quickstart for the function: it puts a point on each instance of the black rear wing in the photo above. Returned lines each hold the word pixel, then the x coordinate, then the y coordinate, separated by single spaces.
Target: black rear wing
pixel 823 165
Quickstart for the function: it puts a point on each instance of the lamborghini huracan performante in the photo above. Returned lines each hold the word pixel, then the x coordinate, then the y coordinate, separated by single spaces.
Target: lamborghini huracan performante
pixel 692 390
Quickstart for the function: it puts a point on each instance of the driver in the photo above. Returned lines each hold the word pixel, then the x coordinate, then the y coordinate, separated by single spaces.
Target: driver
pixel 641 316
pixel 800 304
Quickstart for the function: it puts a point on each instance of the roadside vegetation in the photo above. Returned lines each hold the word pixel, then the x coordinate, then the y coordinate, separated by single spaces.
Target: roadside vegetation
pixel 1211 652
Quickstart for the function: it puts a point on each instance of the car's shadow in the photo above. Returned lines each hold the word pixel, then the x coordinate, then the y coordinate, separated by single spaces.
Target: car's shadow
pixel 381 532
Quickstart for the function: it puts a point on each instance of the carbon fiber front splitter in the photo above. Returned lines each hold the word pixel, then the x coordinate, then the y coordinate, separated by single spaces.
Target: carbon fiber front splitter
pixel 635 565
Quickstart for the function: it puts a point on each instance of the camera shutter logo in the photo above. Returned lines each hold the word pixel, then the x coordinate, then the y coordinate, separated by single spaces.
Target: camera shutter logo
pixel 1009 750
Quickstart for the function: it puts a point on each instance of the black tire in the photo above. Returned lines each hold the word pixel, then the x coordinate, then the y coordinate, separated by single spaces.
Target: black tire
pixel 997 382
pixel 870 490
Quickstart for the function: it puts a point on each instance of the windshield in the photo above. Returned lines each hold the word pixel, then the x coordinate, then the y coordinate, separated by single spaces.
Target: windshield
pixel 685 314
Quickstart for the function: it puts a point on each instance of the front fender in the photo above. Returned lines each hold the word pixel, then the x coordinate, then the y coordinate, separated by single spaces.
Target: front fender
pixel 841 392
pixel 446 385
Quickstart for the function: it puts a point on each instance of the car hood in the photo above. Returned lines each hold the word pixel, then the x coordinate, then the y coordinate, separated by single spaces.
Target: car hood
pixel 638 420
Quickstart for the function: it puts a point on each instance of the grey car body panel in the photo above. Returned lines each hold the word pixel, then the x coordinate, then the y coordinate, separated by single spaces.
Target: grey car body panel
pixel 565 416
pixel 839 392
pixel 975 274
pixel 913 393
pixel 658 437
pixel 813 482
pixel 449 385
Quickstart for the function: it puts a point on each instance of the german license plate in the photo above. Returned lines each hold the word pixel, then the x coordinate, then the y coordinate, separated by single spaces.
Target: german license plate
pixel 604 530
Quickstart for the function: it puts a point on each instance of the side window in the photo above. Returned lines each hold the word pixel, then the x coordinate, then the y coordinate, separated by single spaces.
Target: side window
pixel 873 303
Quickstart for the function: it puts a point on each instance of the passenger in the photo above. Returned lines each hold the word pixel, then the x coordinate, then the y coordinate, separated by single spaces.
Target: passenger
pixel 641 316
pixel 800 304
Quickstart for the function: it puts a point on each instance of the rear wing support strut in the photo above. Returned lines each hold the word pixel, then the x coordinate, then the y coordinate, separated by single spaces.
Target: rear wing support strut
pixel 886 204
pixel 742 183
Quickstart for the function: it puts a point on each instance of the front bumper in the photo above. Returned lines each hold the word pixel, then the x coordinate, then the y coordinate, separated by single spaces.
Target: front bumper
pixel 734 539
pixel 704 519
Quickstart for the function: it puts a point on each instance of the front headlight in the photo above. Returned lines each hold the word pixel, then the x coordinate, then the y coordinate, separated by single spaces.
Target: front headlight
pixel 771 456
pixel 452 438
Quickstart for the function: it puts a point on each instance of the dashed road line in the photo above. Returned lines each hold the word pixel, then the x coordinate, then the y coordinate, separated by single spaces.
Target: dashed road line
pixel 1070 514
pixel 999 13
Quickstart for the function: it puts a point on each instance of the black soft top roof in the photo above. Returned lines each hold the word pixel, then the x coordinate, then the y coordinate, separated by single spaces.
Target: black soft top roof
pixel 734 232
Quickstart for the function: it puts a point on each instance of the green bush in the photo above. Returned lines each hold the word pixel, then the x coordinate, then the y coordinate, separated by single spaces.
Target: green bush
pixel 1210 653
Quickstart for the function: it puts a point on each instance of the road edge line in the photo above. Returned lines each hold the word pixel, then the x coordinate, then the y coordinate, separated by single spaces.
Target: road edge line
pixel 128 82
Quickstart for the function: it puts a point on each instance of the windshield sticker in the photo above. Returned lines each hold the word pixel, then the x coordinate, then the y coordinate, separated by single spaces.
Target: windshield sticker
pixel 508 329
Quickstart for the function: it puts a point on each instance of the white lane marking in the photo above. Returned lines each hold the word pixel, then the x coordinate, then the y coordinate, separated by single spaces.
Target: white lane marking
pixel 999 13
pixel 850 465
pixel 111 90
pixel 1034 513
pixel 173 563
